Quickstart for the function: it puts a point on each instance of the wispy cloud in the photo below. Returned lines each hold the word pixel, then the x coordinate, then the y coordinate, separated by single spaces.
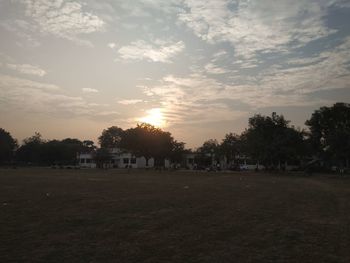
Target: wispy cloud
pixel 64 19
pixel 9 81
pixel 24 30
pixel 129 102
pixel 27 69
pixel 325 71
pixel 89 90
pixel 159 51
pixel 111 45
pixel 35 97
pixel 215 69
pixel 256 26
pixel 200 98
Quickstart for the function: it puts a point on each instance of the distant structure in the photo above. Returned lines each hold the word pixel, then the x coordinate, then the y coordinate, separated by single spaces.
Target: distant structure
pixel 86 160
pixel 118 159
pixel 190 160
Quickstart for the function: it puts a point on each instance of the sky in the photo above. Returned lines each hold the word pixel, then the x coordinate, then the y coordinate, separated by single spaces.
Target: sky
pixel 198 69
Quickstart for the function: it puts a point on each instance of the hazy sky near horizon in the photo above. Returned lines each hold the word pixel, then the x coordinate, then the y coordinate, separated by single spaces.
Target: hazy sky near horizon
pixel 73 68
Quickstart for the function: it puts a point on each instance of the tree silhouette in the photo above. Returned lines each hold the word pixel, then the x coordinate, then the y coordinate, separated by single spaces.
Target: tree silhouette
pixel 271 140
pixel 148 141
pixel 230 147
pixel 208 152
pixel 330 133
pixel 111 137
pixel 31 150
pixel 7 146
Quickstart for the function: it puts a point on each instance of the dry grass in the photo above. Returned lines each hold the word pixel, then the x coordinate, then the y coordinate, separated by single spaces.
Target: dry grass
pixel 114 216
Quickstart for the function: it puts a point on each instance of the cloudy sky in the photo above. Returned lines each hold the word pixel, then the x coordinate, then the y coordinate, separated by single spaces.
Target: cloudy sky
pixel 197 68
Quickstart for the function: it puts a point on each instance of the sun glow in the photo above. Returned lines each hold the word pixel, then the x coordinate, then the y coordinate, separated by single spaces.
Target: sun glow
pixel 154 117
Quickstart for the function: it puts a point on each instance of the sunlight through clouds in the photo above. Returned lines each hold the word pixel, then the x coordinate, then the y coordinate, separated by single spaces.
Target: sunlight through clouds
pixel 154 117
pixel 183 65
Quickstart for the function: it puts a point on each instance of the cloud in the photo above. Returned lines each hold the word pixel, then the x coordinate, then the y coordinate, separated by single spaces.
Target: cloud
pixel 159 51
pixel 257 26
pixel 144 8
pixel 89 90
pixel 107 113
pixel 111 45
pixel 303 75
pixel 129 102
pixel 22 95
pixel 27 69
pixel 22 29
pixel 214 69
pixel 8 81
pixel 198 98
pixel 63 19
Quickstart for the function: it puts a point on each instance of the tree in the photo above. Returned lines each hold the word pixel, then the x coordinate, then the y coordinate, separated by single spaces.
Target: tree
pixel 102 156
pixel 88 146
pixel 148 141
pixel 111 137
pixel 271 140
pixel 230 147
pixel 69 149
pixel 330 133
pixel 31 149
pixel 178 149
pixel 208 152
pixel 37 151
pixel 7 146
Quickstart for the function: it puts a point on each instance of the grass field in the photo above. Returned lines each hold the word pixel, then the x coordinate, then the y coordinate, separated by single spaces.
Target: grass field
pixel 113 216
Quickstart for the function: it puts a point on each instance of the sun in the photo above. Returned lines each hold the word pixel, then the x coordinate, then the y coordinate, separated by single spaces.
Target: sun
pixel 154 117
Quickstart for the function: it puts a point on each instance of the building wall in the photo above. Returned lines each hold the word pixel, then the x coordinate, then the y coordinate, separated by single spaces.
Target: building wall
pixel 86 160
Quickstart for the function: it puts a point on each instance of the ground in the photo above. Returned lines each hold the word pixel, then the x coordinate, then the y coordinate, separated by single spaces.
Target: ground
pixel 49 215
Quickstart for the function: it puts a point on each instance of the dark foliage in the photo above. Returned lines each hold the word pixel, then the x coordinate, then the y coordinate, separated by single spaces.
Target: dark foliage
pixel 330 134
pixel 7 146
pixel 150 142
pixel 37 151
pixel 272 141
pixel 111 137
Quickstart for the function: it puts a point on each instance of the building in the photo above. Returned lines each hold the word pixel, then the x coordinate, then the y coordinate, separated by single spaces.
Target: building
pixel 118 159
pixel 86 160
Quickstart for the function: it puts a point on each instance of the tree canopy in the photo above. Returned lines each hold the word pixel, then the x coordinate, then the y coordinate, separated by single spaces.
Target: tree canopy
pixel 37 151
pixel 271 140
pixel 31 150
pixel 330 133
pixel 148 141
pixel 111 137
pixel 7 146
pixel 231 146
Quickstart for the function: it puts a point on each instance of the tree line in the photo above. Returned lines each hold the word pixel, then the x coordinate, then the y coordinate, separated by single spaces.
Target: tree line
pixel 269 140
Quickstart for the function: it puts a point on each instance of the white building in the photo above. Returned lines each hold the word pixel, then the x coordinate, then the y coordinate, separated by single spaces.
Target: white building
pixel 119 159
pixel 86 160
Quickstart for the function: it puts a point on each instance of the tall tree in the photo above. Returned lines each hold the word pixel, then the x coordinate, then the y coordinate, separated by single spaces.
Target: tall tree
pixel 271 140
pixel 69 150
pixel 178 149
pixel 230 147
pixel 102 156
pixel 208 152
pixel 148 141
pixel 111 137
pixel 31 149
pixel 330 133
pixel 7 146
pixel 88 146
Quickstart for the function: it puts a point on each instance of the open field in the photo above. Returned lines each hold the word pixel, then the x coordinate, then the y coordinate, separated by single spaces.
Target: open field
pixel 114 216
